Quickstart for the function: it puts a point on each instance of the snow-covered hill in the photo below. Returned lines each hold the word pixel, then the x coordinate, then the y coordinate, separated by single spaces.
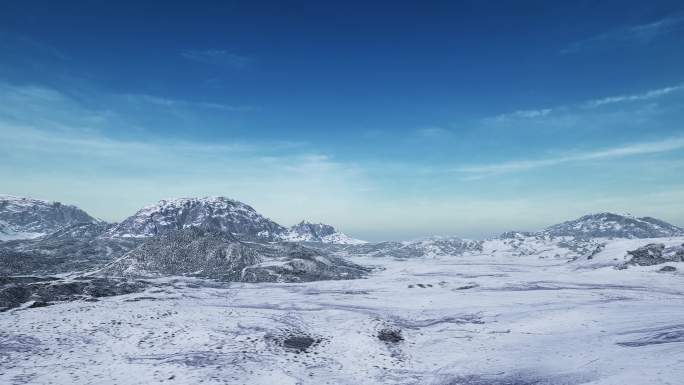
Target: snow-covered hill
pixel 609 225
pixel 442 246
pixel 209 254
pixel 318 232
pixel 72 249
pixel 25 218
pixel 424 247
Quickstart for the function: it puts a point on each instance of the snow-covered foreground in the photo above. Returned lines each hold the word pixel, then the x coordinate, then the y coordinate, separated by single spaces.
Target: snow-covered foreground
pixel 479 319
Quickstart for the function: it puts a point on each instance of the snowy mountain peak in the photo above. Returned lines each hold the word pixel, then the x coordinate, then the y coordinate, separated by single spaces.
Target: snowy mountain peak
pixel 25 218
pixel 614 226
pixel 315 229
pixel 209 213
pixel 306 231
pixel 223 215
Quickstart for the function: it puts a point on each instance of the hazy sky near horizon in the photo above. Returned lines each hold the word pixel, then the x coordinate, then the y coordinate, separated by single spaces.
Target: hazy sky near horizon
pixel 389 120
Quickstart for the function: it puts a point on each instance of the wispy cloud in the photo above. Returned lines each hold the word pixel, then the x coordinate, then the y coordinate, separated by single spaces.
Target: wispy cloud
pixel 542 113
pixel 136 114
pixel 432 132
pixel 37 116
pixel 643 148
pixel 54 145
pixel 652 94
pixel 636 34
pixel 520 114
pixel 174 103
pixel 217 57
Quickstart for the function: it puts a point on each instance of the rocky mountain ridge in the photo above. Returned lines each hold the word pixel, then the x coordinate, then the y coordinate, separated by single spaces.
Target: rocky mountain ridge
pixel 214 237
pixel 210 213
pixel 202 253
pixel 221 215
pixel 24 218
pixel 221 238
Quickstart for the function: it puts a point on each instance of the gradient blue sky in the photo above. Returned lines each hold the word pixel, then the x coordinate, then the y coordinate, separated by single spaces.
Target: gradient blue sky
pixel 390 120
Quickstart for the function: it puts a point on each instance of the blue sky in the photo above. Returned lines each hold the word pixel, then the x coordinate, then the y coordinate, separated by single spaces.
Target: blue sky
pixel 389 120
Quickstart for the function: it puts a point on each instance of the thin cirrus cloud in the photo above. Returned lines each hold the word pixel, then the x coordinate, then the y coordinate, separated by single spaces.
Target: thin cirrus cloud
pixel 432 132
pixel 636 34
pixel 217 57
pixel 593 103
pixel 520 114
pixel 652 94
pixel 642 148
pixel 88 109
pixel 52 139
pixel 33 114
pixel 179 103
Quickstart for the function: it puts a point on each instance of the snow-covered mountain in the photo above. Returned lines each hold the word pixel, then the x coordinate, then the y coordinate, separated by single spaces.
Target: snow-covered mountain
pixel 221 215
pixel 609 225
pixel 211 213
pixel 318 232
pixel 26 218
pixel 210 254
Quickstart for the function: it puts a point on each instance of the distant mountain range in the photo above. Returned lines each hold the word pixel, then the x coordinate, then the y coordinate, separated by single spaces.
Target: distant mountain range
pixel 27 218
pixel 225 239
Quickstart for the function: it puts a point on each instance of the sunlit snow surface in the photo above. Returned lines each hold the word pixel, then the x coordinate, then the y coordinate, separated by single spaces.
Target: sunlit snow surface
pixel 490 318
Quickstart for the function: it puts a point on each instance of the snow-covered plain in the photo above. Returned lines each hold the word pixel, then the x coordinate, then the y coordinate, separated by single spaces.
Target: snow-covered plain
pixel 496 317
